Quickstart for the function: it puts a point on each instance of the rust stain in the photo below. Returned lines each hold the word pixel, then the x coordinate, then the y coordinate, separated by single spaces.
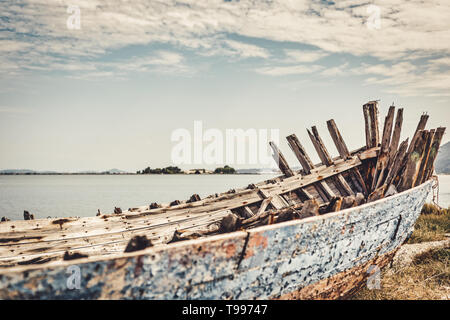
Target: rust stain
pixel 256 240
pixel 230 250
pixel 138 267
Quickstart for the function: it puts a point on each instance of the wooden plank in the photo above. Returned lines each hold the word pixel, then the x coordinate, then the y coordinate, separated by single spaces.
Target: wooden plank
pixel 300 153
pixel 326 159
pixel 357 175
pixel 370 110
pixel 437 138
pixel 322 188
pixel 278 202
pixel 281 160
pixel 369 153
pixel 396 136
pixel 306 193
pixel 425 156
pixel 367 126
pixel 264 205
pixel 320 147
pixel 344 154
pixel 420 126
pixel 413 161
pixel 397 162
pixel 248 212
pixel 329 194
pixel 375 132
pixel 337 139
pixel 383 157
pixel 344 185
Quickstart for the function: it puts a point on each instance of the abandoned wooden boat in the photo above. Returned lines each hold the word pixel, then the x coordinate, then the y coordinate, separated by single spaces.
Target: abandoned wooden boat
pixel 307 234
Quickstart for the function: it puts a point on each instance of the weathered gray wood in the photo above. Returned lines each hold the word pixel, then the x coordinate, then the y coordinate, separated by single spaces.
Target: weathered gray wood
pixel 344 154
pixel 425 157
pixel 370 110
pixel 264 205
pixel 322 188
pixel 337 139
pixel 396 135
pixel 367 126
pixel 357 175
pixel 281 161
pixel 248 212
pixel 429 167
pixel 383 157
pixel 397 162
pixel 420 126
pixel 413 161
pixel 344 186
pixel 278 202
pixel 300 153
pixel 320 147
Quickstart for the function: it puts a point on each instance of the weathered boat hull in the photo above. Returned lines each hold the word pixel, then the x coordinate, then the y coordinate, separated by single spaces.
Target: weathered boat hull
pixel 320 257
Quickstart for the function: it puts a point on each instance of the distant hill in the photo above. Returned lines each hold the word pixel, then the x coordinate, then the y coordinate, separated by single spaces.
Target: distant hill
pixel 114 171
pixel 442 163
pixel 33 172
pixel 17 171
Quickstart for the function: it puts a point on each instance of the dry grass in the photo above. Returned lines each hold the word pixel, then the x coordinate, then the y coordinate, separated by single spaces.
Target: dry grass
pixel 428 277
pixel 432 225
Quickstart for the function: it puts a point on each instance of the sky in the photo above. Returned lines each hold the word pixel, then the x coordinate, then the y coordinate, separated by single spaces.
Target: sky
pixel 110 91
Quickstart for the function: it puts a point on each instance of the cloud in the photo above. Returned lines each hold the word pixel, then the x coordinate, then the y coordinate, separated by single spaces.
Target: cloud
pixel 247 50
pixel 304 56
pixel 288 70
pixel 37 35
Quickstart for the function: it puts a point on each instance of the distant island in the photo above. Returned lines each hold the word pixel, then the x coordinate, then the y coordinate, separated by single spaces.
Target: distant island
pixel 442 164
pixel 33 172
pixel 167 170
pixel 175 170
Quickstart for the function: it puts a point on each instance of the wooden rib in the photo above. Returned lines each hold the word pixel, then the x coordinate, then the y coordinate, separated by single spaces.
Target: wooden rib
pixel 344 185
pixel 425 157
pixel 326 160
pixel 322 188
pixel 300 153
pixel 370 110
pixel 281 160
pixel 278 202
pixel 413 161
pixel 420 126
pixel 320 147
pixel 429 167
pixel 383 157
pixel 306 193
pixel 357 175
pixel 248 212
pixel 396 136
pixel 397 162
pixel 337 139
pixel 264 205
pixel 367 126
pixel 344 153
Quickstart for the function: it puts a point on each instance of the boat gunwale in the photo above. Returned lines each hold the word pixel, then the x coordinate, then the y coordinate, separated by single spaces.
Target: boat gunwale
pixel 212 238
